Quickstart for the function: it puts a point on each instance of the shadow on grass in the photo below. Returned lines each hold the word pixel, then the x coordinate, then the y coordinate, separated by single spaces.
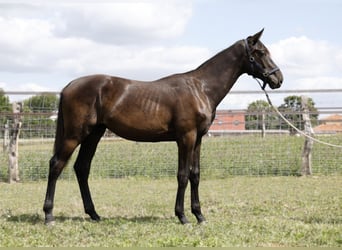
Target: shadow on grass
pixel 37 219
pixel 23 218
pixel 320 220
pixel 140 220
pixel 317 219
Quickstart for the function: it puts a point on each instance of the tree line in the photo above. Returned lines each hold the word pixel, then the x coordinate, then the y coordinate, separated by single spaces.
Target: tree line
pixel 260 113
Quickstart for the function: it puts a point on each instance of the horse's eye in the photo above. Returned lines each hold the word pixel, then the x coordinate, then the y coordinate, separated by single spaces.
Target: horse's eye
pixel 261 53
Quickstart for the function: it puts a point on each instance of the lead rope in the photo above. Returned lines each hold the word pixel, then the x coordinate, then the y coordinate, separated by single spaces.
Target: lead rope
pixel 291 125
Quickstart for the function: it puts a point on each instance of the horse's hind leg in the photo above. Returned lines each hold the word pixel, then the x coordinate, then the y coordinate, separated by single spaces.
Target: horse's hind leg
pixel 82 168
pixel 57 164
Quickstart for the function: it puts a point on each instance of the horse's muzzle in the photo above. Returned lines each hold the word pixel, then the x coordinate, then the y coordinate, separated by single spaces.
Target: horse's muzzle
pixel 275 80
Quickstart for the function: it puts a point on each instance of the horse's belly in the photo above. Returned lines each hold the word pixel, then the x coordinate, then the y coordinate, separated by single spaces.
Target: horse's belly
pixel 144 136
pixel 149 130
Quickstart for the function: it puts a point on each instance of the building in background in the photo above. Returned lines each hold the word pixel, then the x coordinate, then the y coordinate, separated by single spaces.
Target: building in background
pixel 329 125
pixel 227 121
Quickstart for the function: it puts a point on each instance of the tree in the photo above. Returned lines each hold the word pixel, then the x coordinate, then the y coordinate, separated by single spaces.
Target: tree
pixel 37 121
pixel 292 110
pixel 4 101
pixel 43 103
pixel 5 107
pixel 254 116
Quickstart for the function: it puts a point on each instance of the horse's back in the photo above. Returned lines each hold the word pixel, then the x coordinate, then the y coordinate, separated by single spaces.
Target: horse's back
pixel 89 85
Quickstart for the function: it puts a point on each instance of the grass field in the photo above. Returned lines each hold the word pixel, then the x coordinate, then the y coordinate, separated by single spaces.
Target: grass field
pixel 241 211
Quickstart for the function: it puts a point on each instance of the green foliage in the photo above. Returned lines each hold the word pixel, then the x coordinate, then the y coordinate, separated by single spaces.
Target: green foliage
pixel 292 110
pixel 37 121
pixel 5 107
pixel 254 116
pixel 43 103
pixel 5 104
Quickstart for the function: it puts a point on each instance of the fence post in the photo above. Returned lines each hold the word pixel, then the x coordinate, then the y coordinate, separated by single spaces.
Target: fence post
pixel 263 125
pixel 6 138
pixel 308 143
pixel 13 168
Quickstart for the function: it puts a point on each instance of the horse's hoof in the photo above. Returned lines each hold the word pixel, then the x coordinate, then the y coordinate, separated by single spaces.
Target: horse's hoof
pixel 95 217
pixel 183 220
pixel 50 223
pixel 200 218
pixel 202 221
pixel 49 220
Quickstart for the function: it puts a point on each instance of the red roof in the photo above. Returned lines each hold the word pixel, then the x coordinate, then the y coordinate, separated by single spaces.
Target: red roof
pixel 332 123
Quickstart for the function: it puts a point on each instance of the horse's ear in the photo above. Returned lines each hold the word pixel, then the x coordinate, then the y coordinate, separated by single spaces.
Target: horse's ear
pixel 255 38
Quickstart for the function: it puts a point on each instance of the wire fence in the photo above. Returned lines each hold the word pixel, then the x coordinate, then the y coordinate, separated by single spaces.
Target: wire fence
pixel 240 142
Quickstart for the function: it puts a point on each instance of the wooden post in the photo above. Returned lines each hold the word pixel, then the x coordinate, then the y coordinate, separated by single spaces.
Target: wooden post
pixel 308 143
pixel 13 167
pixel 6 138
pixel 263 125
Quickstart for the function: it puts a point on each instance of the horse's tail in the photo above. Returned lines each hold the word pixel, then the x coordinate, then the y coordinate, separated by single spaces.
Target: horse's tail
pixel 60 127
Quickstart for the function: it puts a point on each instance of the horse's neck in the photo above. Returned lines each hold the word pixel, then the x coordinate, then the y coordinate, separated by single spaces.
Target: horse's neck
pixel 219 73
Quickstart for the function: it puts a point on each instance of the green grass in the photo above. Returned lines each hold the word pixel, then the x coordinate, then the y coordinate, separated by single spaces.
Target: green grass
pixel 220 157
pixel 241 211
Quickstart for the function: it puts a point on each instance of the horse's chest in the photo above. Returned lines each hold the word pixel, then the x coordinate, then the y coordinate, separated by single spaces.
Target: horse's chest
pixel 204 120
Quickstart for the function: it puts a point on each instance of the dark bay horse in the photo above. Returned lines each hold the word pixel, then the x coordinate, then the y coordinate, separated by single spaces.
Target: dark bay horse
pixel 179 108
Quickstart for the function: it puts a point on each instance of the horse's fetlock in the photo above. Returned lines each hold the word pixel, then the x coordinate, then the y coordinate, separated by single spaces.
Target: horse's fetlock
pixel 48 205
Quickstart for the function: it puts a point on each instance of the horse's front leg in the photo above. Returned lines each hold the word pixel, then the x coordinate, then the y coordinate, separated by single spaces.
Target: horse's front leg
pixel 185 156
pixel 194 181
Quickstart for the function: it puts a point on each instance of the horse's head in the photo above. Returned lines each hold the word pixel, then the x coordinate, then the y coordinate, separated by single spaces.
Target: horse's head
pixel 260 64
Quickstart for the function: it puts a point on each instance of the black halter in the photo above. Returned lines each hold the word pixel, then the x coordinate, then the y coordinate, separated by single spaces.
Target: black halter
pixel 257 67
